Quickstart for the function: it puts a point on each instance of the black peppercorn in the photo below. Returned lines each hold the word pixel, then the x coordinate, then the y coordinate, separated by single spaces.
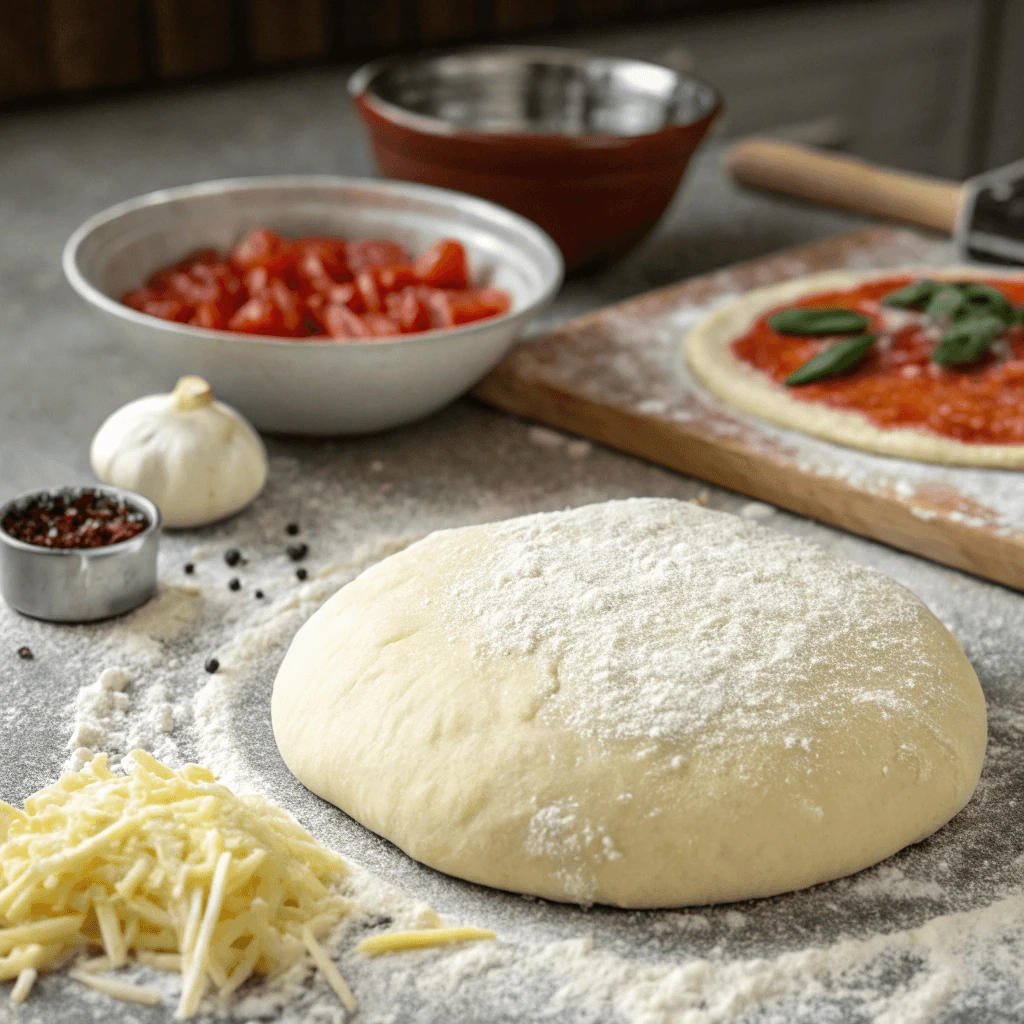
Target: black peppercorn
pixel 258 595
pixel 292 529
pixel 212 665
pixel 25 653
pixel 234 583
pixel 297 552
pixel 232 556
pixel 301 573
pixel 189 568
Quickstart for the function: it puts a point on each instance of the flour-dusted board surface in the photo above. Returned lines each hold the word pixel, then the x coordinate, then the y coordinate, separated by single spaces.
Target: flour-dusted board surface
pixel 618 376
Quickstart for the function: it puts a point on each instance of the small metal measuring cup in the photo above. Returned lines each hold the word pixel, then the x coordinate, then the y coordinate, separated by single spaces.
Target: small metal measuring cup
pixel 79 584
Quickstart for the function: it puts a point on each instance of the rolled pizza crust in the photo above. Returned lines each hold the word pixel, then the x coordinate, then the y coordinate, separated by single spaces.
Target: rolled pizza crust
pixel 742 386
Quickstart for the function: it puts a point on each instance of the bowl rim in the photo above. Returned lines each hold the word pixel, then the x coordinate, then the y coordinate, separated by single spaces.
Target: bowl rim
pixel 220 186
pixel 123 547
pixel 360 81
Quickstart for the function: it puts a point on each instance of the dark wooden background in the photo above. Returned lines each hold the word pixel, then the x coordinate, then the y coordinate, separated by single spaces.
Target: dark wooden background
pixel 62 47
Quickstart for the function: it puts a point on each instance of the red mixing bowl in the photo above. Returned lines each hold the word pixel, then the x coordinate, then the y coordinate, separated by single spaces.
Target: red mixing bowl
pixel 590 148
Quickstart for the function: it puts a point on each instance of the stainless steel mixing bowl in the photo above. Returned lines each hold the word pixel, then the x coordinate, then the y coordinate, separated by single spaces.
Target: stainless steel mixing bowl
pixel 539 90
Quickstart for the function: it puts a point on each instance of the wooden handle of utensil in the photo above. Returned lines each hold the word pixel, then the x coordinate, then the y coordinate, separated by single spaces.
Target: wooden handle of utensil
pixel 846 182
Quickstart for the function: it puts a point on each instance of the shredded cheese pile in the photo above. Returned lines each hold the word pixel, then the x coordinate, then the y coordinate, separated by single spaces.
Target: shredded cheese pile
pixel 167 867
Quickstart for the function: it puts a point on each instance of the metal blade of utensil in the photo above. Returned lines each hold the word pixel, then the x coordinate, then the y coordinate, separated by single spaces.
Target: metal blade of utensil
pixel 990 227
pixel 985 214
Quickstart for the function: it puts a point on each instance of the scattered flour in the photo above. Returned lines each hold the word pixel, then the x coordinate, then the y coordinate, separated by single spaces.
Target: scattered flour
pixel 114 679
pixel 757 510
pixel 103 722
pixel 542 437
pixel 100 717
pixel 165 616
pixel 890 883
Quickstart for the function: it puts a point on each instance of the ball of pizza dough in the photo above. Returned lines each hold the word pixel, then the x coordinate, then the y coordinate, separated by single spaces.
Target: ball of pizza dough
pixel 640 703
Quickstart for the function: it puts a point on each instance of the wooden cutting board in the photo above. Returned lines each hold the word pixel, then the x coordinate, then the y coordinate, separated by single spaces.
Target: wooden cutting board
pixel 618 377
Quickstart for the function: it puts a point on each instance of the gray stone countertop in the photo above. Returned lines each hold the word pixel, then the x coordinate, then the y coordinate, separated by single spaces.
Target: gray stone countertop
pixel 61 375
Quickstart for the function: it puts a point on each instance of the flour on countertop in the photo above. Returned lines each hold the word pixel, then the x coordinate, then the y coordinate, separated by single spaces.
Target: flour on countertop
pixel 757 510
pixel 544 437
pixel 100 720
pixel 103 722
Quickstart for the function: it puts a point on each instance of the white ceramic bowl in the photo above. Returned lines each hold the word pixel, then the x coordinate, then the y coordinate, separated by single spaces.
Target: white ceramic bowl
pixel 315 387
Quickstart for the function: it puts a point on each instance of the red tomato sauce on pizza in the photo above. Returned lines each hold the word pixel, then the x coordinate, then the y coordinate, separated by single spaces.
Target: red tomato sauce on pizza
pixel 897 384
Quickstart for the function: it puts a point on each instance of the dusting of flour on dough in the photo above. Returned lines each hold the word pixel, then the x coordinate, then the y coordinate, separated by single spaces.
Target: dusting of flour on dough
pixel 564 595
pixel 560 831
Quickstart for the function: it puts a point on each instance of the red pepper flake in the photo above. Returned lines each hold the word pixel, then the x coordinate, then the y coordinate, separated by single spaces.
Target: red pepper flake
pixel 75 519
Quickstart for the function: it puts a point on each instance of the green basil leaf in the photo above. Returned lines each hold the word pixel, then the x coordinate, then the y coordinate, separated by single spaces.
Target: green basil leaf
pixel 837 358
pixel 968 339
pixel 913 296
pixel 1018 315
pixel 948 301
pixel 983 298
pixel 813 322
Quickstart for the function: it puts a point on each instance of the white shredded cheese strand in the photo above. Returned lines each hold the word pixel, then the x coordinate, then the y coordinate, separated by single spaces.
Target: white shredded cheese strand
pixel 22 987
pixel 160 961
pixel 329 970
pixel 393 942
pixel 118 989
pixel 195 915
pixel 110 932
pixel 39 931
pixel 192 990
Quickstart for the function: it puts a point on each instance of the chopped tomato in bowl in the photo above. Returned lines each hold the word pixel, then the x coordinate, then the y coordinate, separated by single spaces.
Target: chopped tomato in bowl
pixel 356 304
pixel 320 289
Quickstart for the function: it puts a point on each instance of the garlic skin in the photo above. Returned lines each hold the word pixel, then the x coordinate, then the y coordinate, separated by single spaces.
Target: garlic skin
pixel 197 459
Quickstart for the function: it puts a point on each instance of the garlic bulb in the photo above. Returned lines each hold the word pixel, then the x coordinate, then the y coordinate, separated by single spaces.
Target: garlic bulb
pixel 196 458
